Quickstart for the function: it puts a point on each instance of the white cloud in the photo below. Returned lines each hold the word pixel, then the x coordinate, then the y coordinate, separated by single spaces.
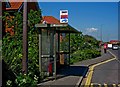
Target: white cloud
pixel 90 30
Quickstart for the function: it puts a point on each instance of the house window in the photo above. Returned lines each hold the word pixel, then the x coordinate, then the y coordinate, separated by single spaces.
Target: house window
pixel 7 4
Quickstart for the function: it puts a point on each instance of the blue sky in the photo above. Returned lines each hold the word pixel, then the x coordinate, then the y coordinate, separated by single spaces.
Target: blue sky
pixel 88 17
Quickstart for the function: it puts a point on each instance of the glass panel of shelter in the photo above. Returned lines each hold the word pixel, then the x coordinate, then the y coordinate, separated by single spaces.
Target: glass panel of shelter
pixel 47 50
pixel 64 49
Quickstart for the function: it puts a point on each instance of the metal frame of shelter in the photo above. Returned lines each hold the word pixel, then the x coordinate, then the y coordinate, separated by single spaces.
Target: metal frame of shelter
pixel 49 45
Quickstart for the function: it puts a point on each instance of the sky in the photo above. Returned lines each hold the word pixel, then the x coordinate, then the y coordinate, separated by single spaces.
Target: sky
pixel 91 18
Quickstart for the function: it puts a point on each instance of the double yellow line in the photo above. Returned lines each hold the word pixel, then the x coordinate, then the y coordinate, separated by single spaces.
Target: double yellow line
pixel 89 77
pixel 105 85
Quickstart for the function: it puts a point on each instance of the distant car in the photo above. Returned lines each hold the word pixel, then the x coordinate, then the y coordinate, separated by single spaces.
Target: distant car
pixel 115 47
pixel 109 46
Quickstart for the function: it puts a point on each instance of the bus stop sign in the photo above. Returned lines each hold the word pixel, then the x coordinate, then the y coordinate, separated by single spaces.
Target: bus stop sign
pixel 63 16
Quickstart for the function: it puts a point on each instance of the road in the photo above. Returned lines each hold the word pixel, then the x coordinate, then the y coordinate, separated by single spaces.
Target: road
pixel 107 74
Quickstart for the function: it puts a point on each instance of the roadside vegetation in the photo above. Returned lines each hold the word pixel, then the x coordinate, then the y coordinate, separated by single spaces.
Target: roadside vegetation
pixel 12 51
pixel 82 47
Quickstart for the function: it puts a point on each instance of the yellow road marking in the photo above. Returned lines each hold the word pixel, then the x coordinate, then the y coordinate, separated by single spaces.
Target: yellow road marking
pixel 105 85
pixel 91 85
pixel 114 85
pixel 88 80
pixel 118 85
pixel 99 85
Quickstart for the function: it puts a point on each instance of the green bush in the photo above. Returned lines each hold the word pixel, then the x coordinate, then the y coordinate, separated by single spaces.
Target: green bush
pixel 82 47
pixel 12 48
pixel 26 81
pixel 84 54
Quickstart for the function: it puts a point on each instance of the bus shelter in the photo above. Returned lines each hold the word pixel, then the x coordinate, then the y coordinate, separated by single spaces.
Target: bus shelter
pixel 54 47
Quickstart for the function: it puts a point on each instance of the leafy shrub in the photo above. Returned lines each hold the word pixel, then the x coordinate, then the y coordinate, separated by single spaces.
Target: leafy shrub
pixel 84 54
pixel 12 45
pixel 26 81
pixel 82 47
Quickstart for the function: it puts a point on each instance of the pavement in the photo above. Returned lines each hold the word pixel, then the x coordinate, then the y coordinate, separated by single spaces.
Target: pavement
pixel 73 75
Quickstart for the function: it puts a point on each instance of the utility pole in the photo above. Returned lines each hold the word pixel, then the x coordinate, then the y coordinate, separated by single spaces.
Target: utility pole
pixel 0 43
pixel 101 39
pixel 55 60
pixel 101 32
pixel 25 46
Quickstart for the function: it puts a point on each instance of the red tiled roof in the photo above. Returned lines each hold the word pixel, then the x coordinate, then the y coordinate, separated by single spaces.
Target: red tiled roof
pixel 114 40
pixel 50 20
pixel 14 5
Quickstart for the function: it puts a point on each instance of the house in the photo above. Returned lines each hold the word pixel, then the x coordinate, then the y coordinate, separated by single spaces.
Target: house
pixel 12 7
pixel 114 41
